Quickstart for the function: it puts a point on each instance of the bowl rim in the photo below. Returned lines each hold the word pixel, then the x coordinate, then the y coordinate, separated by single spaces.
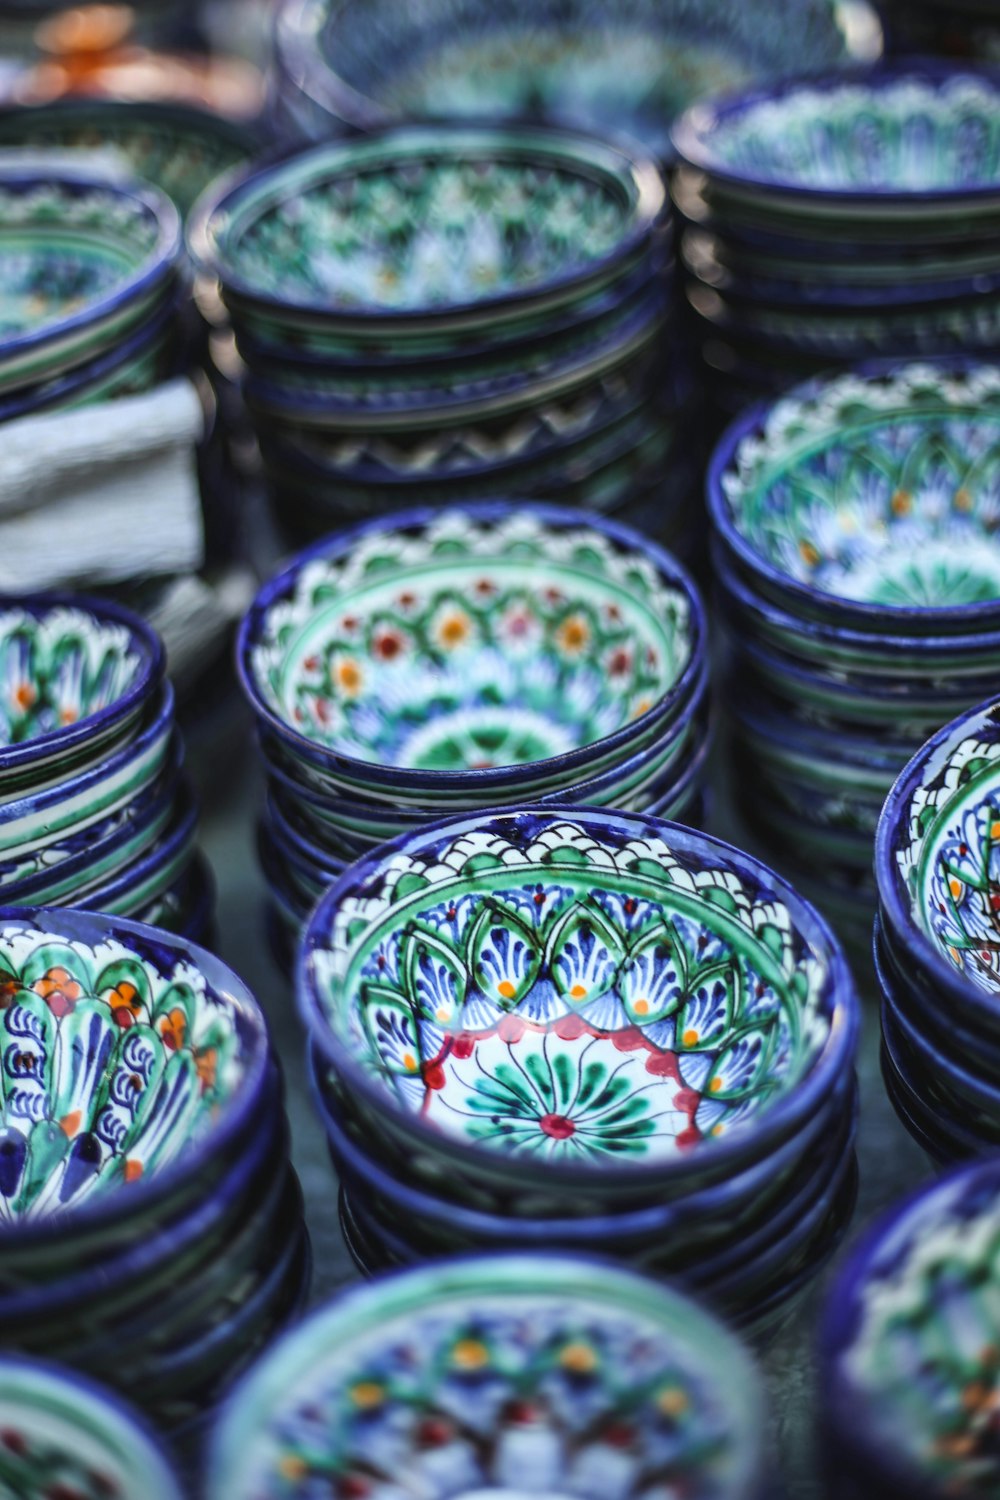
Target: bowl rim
pixel 690 134
pixel 138 1435
pixel 159 261
pixel 543 1272
pixel 178 835
pixel 152 666
pixel 840 613
pixel 562 518
pixel 162 949
pixel 759 1135
pixel 838 1325
pixel 898 920
pixel 627 165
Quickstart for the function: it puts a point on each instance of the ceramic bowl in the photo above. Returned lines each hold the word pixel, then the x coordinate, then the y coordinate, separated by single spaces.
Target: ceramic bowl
pixel 83 260
pixel 76 675
pixel 625 67
pixel 130 890
pixel 64 1435
pixel 635 1008
pixel 907 1345
pixel 411 1374
pixel 396 655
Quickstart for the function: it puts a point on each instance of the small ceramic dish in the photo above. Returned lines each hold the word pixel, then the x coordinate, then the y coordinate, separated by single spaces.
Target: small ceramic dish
pixel 907 1345
pixel 955 1126
pixel 75 674
pixel 170 1055
pixel 480 648
pixel 411 1374
pixel 868 499
pixel 64 1435
pixel 149 877
pixel 82 261
pixel 631 1006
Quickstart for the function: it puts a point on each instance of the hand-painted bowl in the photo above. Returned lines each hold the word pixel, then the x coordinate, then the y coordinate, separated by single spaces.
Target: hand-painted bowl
pixel 132 1064
pixel 63 1435
pixel 82 261
pixel 621 1003
pixel 907 140
pixel 457 1375
pixel 130 890
pixel 473 650
pixel 75 675
pixel 627 66
pixel 459 227
pixel 870 498
pixel 908 1360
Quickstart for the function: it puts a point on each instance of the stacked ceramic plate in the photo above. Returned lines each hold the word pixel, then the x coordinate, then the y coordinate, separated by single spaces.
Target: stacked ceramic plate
pixel 437 313
pixel 501 1375
pixel 488 656
pixel 908 1357
pixel 858 574
pixel 573 1027
pixel 603 65
pixel 90 269
pixel 94 808
pixel 829 221
pixel 150 1225
pixel 938 939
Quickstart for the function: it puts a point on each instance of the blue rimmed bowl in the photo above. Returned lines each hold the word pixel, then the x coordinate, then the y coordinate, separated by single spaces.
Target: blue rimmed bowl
pixel 325 1399
pixel 907 1347
pixel 634 1009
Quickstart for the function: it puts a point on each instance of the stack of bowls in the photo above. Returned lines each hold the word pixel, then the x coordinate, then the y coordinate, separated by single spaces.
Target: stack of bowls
pixel 585 1029
pixel 835 220
pixel 150 1224
pixel 484 657
pixel 937 940
pixel 445 312
pixel 91 275
pixel 857 564
pixel 504 1375
pixel 908 1361
pixel 601 65
pixel 94 808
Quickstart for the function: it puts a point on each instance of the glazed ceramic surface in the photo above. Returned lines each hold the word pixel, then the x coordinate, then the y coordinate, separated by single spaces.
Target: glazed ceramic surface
pixel 629 67
pixel 882 490
pixel 473 640
pixel 62 1436
pixel 431 218
pixel 500 1376
pixel 576 990
pixel 910 1342
pixel 119 1058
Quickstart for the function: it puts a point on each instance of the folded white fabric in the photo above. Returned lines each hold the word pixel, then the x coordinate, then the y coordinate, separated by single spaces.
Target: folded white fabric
pixel 102 494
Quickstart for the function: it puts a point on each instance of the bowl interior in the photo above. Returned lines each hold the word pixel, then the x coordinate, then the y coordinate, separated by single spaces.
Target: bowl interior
pixel 498 1376
pixel 882 491
pixel 59 667
pixel 909 134
pixel 572 990
pixel 463 644
pixel 117 1059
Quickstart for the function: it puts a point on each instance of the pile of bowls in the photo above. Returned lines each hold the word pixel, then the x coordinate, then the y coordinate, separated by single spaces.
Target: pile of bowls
pixel 858 573
pixel 601 65
pixel 92 282
pixel 501 1375
pixel 61 1435
pixel 488 656
pixel 150 1224
pixel 95 810
pixel 908 1361
pixel 588 1030
pixel 937 941
pixel 445 312
pixel 831 221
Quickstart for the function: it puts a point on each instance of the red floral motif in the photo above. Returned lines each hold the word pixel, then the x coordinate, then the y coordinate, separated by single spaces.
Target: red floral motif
pixel 59 990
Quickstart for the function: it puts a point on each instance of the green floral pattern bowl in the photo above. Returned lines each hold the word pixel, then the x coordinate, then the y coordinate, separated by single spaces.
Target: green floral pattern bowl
pixel 615 1000
pixel 498 1376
